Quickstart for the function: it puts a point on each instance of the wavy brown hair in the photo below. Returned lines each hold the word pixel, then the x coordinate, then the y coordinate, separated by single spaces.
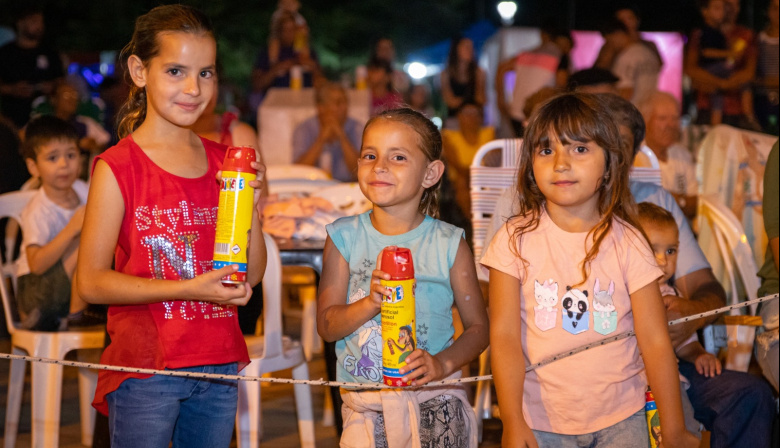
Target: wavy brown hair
pixel 429 142
pixel 145 45
pixel 578 117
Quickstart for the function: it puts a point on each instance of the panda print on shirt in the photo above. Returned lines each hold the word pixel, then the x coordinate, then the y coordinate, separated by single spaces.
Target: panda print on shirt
pixel 575 307
pixel 575 313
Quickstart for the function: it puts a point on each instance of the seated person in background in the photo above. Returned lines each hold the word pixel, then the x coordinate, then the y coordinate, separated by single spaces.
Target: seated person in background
pixel 224 128
pixel 384 49
pixel 267 73
pixel 459 147
pixel 93 138
pixel 301 41
pixel 736 407
pixel 694 278
pixel 661 112
pixel 635 64
pixel 593 80
pixel 51 228
pixel 380 83
pixel 418 97
pixel 462 80
pixel 330 139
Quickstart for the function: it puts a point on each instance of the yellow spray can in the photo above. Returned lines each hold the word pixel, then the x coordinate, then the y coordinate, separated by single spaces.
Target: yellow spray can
pixel 399 330
pixel 234 215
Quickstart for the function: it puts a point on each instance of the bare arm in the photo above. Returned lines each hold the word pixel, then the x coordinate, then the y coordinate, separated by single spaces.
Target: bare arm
pixel 474 339
pixel 691 204
pixel 479 88
pixel 660 363
pixel 41 258
pixel 335 318
pixel 702 79
pixel 703 293
pixel 507 358
pixel 98 283
pixel 349 152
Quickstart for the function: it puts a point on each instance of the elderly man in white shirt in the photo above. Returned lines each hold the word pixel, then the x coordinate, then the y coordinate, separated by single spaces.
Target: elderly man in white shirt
pixel 678 168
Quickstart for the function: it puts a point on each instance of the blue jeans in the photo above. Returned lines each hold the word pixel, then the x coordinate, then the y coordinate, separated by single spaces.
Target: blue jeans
pixel 736 407
pixel 193 413
pixel 630 433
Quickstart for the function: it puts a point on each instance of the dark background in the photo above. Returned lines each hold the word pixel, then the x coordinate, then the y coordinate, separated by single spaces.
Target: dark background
pixel 342 31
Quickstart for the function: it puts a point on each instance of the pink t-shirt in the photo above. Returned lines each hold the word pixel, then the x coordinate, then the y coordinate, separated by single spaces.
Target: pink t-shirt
pixel 597 388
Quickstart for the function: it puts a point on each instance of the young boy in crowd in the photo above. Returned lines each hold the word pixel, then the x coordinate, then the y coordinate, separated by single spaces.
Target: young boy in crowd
pixel 750 427
pixel 51 226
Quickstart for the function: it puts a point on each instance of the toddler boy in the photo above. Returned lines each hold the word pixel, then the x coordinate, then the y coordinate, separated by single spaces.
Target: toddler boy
pixel 51 226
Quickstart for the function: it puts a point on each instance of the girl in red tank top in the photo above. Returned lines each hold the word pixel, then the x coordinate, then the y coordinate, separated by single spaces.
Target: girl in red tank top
pixel 152 213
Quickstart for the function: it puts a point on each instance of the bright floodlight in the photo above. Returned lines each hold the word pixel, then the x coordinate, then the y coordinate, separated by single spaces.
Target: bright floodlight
pixel 417 70
pixel 507 12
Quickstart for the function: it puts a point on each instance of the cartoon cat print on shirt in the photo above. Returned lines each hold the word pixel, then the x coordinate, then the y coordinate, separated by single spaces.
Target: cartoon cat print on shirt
pixel 575 314
pixel 605 316
pixel 546 295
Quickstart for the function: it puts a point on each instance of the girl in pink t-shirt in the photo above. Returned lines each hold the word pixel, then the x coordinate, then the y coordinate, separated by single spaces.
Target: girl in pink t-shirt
pixel 572 268
pixel 147 246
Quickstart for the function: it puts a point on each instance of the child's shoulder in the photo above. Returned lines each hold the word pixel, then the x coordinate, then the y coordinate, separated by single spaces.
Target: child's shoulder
pixel 446 229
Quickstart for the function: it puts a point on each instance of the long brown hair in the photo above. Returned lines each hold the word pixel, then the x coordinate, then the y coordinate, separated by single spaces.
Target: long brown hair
pixel 145 45
pixel 576 117
pixel 429 142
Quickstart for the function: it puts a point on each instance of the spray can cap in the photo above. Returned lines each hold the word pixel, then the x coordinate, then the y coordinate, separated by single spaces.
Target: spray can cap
pixel 239 158
pixel 397 261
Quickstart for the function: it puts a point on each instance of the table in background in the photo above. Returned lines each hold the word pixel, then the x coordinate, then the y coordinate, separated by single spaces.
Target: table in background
pixel 283 110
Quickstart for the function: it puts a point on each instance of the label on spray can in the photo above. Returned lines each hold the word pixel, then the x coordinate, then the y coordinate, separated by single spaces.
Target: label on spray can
pixel 399 330
pixel 653 420
pixel 234 215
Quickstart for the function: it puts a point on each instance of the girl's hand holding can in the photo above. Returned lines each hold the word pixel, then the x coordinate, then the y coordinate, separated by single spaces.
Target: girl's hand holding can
pixel 208 287
pixel 422 367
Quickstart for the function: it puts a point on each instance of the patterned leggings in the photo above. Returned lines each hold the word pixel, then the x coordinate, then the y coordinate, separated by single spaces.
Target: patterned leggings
pixel 442 424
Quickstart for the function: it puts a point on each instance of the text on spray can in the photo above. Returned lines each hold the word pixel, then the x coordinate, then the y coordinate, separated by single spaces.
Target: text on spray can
pixel 234 215
pixel 399 330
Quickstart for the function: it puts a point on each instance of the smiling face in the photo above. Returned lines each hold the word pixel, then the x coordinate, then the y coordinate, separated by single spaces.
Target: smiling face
pixel 392 169
pixel 180 80
pixel 664 240
pixel 569 175
pixel 57 164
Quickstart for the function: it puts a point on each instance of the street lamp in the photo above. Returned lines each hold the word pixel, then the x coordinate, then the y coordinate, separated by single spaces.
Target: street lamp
pixel 507 11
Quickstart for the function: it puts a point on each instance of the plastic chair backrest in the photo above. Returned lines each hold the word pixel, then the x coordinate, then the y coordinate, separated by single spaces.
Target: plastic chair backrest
pixel 488 182
pixel 733 247
pixel 11 206
pixel 272 300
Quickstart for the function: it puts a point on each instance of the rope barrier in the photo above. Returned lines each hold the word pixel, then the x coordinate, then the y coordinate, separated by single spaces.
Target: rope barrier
pixel 326 383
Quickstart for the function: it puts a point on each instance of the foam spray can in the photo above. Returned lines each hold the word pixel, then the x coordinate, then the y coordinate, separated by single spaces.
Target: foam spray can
pixel 234 215
pixel 653 420
pixel 399 329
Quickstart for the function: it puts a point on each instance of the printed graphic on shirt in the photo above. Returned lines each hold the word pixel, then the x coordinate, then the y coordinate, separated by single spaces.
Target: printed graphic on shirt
pixel 575 314
pixel 604 314
pixel 545 314
pixel 172 254
pixel 369 338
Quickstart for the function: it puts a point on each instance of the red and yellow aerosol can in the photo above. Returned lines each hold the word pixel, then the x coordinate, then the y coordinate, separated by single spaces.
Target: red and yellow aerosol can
pixel 399 330
pixel 653 420
pixel 234 215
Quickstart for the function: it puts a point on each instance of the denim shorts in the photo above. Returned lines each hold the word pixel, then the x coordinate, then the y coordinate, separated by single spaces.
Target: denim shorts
pixel 630 433
pixel 191 412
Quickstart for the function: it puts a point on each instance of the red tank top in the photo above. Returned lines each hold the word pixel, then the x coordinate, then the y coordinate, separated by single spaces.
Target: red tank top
pixel 167 233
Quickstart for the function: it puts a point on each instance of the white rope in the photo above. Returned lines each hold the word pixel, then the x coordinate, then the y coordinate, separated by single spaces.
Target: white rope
pixel 321 382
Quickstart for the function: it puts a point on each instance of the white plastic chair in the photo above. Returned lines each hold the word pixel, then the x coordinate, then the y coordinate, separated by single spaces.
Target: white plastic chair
pixel 736 257
pixel 46 378
pixel 486 186
pixel 272 352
